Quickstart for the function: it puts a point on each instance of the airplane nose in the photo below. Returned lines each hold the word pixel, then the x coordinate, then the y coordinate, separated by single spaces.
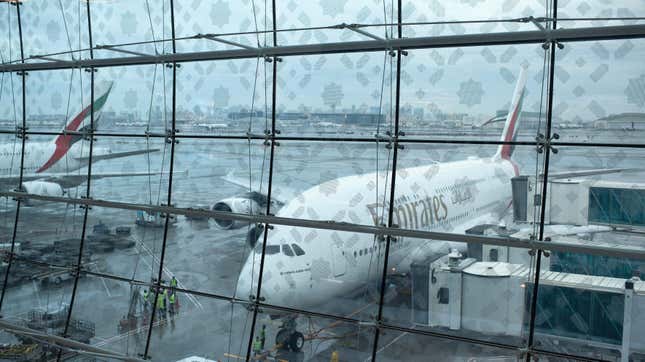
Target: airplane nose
pixel 244 288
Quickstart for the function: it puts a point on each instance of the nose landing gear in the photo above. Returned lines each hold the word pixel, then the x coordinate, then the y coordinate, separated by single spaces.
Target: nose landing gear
pixel 288 337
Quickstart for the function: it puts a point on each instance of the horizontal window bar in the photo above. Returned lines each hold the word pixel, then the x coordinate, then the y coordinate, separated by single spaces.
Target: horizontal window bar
pixel 615 251
pixel 535 36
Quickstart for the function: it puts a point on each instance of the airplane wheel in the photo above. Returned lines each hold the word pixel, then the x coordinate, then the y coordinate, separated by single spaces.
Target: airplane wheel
pixel 297 341
pixel 282 339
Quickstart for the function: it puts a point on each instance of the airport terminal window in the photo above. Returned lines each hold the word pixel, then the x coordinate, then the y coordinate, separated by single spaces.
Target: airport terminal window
pixel 406 131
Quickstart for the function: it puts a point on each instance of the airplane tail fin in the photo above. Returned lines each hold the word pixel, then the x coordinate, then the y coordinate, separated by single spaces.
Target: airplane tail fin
pixel 65 140
pixel 504 151
pixel 79 119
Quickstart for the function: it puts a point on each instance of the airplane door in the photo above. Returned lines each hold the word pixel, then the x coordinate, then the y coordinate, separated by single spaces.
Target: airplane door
pixel 339 261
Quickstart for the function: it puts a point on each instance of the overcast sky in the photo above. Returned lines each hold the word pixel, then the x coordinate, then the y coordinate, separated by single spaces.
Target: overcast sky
pixel 592 79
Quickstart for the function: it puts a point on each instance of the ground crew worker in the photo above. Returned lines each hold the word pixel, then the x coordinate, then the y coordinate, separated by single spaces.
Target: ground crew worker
pixel 173 282
pixel 334 357
pixel 171 304
pixel 257 345
pixel 161 305
pixel 263 335
pixel 145 300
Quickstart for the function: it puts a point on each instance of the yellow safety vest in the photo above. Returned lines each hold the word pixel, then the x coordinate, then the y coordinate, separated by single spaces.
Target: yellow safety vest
pixel 171 298
pixel 160 301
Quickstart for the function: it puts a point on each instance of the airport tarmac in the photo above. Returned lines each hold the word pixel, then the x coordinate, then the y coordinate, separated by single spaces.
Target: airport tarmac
pixel 207 259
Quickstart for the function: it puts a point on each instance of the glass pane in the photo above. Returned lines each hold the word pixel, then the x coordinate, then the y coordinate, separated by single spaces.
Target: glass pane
pixel 328 278
pixel 299 337
pixel 131 169
pixel 588 299
pixel 468 93
pixel 139 21
pixel 584 13
pixel 54 240
pixel 207 254
pixel 136 99
pixel 120 246
pixel 199 326
pixel 64 104
pixel 455 17
pixel 114 308
pixel 397 346
pixel 441 187
pixel 339 181
pixel 598 94
pixel 10 42
pixel 357 102
pixel 10 102
pixel 30 302
pixel 55 26
pixel 297 15
pixel 222 17
pixel 223 98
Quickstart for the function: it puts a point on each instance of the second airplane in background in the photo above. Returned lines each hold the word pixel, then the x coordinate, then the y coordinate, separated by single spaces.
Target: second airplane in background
pixel 48 167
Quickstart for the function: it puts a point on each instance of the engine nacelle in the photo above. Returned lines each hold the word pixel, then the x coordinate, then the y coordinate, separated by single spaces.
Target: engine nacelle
pixel 251 203
pixel 42 188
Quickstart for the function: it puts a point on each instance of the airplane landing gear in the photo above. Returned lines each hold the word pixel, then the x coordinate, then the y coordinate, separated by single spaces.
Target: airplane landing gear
pixel 288 337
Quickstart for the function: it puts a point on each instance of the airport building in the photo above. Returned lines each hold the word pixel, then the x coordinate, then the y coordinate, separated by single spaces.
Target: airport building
pixel 322 181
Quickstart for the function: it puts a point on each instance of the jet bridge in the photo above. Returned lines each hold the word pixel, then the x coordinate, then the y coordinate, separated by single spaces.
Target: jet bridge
pixel 493 298
pixel 580 201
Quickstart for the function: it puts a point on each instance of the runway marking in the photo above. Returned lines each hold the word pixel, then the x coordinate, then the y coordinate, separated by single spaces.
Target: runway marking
pixel 40 305
pixel 167 272
pixel 387 345
pixel 107 290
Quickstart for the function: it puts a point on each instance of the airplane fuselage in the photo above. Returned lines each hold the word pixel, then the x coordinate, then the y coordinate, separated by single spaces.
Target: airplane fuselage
pixel 37 154
pixel 447 197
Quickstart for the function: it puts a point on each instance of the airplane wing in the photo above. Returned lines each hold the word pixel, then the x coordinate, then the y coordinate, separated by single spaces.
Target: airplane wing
pixel 67 180
pixel 593 172
pixel 96 158
pixel 280 193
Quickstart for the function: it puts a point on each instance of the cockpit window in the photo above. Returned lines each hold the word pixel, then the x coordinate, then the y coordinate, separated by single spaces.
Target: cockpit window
pixel 286 250
pixel 271 249
pixel 297 249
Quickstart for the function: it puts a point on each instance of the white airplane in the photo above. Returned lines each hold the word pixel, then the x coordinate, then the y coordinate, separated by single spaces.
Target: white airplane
pixel 305 268
pixel 48 166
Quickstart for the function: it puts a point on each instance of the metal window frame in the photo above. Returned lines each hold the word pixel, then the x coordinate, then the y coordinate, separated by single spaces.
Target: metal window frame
pixel 399 44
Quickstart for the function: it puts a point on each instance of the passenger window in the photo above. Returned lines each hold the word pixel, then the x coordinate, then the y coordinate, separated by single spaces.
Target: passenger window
pixel 297 249
pixel 286 250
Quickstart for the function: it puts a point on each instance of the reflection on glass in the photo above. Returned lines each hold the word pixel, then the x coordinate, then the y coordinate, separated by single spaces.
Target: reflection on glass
pixel 455 93
pixel 598 96
pixel 357 102
pixel 147 284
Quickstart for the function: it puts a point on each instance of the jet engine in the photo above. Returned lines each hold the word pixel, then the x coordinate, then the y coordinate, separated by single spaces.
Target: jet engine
pixel 250 203
pixel 42 188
